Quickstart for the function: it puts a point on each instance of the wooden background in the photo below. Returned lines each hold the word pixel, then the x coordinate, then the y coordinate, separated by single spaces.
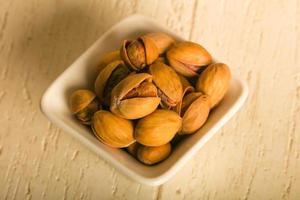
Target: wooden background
pixel 255 156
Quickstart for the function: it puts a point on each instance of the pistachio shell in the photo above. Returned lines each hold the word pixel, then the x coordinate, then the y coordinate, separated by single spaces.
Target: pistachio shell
pixel 83 104
pixel 112 130
pixel 108 78
pixel 187 88
pixel 162 41
pixel 139 53
pixel 108 58
pixel 136 106
pixel 80 99
pixel 195 112
pixel 168 83
pixel 188 57
pixel 214 81
pixel 153 155
pixel 158 128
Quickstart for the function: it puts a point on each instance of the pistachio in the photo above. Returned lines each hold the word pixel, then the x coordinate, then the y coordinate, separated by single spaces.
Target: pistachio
pixel 188 57
pixel 83 105
pixel 153 155
pixel 108 78
pixel 167 82
pixel 195 110
pixel 112 130
pixel 139 53
pixel 162 41
pixel 158 128
pixel 187 88
pixel 134 97
pixel 214 81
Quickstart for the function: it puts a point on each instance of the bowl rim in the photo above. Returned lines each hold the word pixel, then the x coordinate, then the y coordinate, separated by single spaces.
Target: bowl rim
pixel 174 168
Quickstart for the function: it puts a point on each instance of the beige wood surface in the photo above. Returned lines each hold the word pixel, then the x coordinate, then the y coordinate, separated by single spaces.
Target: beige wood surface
pixel 255 156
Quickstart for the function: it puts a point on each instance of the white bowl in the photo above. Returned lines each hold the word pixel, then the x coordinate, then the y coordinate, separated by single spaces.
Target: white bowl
pixel 82 73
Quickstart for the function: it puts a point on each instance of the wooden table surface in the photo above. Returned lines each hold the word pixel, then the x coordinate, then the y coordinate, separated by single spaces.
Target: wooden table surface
pixel 255 156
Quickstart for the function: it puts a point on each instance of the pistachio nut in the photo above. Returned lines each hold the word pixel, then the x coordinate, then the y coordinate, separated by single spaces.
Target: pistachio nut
pixel 108 78
pixel 83 105
pixel 108 58
pixel 187 88
pixel 134 97
pixel 167 82
pixel 153 155
pixel 139 53
pixel 158 128
pixel 188 57
pixel 162 41
pixel 214 81
pixel 112 130
pixel 195 110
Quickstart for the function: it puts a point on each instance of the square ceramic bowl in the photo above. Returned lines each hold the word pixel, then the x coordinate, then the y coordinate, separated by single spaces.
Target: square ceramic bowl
pixel 82 73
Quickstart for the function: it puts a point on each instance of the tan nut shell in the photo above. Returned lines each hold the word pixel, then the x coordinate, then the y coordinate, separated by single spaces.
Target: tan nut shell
pixel 103 77
pixel 112 130
pixel 187 57
pixel 214 81
pixel 187 88
pixel 153 155
pixel 196 110
pixel 162 41
pixel 108 58
pixel 151 51
pixel 166 79
pixel 158 128
pixel 132 108
pixel 80 99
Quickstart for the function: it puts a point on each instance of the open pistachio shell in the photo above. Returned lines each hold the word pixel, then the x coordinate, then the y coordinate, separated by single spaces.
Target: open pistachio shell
pixel 188 57
pixel 158 128
pixel 139 53
pixel 168 83
pixel 153 155
pixel 162 41
pixel 109 77
pixel 195 110
pixel 83 104
pixel 214 81
pixel 133 97
pixel 112 130
pixel 187 88
pixel 108 58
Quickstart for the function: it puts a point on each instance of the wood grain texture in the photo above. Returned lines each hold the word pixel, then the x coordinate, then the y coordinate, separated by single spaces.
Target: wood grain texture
pixel 255 156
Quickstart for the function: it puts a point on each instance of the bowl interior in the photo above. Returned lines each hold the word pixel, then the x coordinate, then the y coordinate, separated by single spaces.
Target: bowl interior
pixel 82 73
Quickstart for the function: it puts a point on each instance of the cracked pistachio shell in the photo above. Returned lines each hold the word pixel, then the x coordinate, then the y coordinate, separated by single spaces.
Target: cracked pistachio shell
pixel 108 58
pixel 188 57
pixel 214 81
pixel 162 41
pixel 134 97
pixel 158 128
pixel 168 83
pixel 109 77
pixel 195 110
pixel 153 155
pixel 187 88
pixel 139 53
pixel 83 104
pixel 112 130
